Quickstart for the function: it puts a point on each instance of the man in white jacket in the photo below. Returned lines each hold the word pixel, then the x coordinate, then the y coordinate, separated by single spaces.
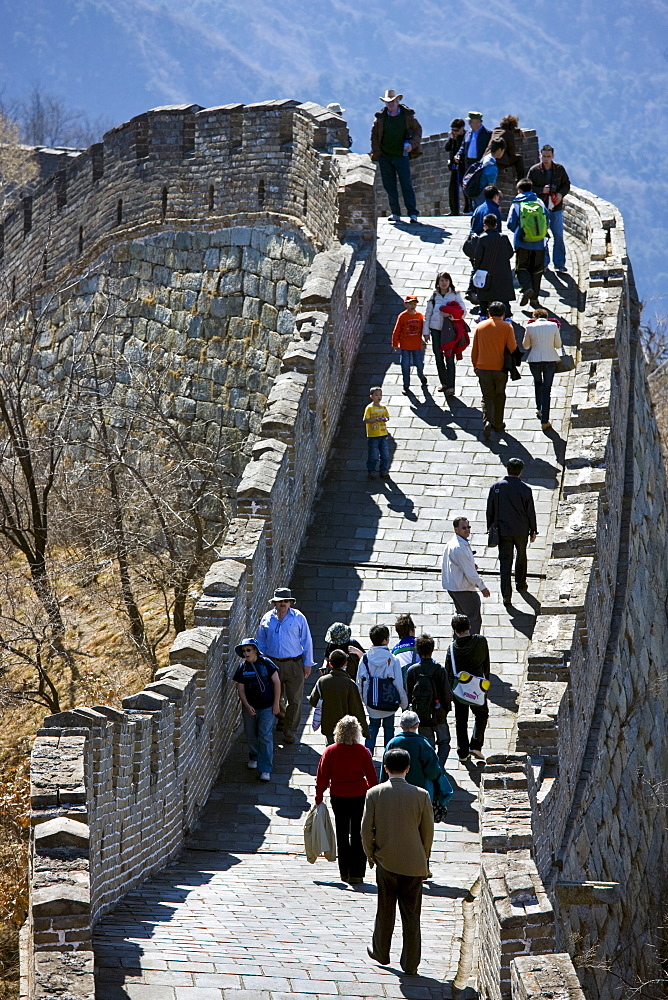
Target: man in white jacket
pixel 460 576
pixel 379 664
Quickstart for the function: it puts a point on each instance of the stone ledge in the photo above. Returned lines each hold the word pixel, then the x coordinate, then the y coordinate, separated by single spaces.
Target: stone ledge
pixel 554 976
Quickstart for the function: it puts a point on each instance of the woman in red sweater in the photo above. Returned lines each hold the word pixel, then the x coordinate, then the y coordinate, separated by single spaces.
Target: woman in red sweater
pixel 347 769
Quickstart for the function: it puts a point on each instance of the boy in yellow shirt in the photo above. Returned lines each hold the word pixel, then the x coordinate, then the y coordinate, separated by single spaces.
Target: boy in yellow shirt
pixel 377 438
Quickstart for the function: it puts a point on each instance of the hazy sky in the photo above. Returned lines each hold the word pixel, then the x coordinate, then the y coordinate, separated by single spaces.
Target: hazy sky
pixel 592 78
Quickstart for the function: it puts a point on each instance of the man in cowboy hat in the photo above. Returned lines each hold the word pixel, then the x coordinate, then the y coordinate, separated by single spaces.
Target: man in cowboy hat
pixel 284 636
pixel 395 140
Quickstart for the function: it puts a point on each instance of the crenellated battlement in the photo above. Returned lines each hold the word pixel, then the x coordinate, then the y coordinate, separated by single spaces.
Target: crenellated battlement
pixel 174 166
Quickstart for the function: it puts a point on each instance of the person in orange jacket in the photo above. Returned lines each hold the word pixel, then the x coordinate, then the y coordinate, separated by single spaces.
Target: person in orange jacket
pixel 407 338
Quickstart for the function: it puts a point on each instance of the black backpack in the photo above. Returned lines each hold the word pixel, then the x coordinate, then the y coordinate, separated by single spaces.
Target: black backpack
pixel 472 181
pixel 423 698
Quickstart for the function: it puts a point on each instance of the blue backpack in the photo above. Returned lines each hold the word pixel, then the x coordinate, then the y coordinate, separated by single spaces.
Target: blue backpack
pixel 381 692
pixel 472 182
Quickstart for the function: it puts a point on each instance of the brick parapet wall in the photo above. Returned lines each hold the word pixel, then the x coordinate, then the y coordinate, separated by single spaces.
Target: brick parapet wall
pixel 591 728
pixel 182 165
pixel 114 792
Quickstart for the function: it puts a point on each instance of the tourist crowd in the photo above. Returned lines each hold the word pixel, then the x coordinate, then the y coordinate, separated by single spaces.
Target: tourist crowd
pixel 385 818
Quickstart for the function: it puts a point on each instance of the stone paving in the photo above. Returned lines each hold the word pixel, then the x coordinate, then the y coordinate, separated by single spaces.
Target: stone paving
pixel 242 915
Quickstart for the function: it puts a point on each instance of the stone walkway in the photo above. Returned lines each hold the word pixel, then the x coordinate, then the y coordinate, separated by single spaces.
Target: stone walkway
pixel 242 915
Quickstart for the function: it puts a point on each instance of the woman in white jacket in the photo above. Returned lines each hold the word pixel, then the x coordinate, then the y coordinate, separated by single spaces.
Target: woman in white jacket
pixel 379 663
pixel 433 325
pixel 543 341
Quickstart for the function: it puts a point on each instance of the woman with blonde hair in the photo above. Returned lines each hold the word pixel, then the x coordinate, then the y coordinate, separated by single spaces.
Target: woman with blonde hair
pixel 347 769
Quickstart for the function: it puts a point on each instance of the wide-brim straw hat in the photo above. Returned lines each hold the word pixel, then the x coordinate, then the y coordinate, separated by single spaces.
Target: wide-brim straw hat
pixel 391 95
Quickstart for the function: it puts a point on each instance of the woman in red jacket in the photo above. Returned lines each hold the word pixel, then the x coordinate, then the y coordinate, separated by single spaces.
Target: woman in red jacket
pixel 347 769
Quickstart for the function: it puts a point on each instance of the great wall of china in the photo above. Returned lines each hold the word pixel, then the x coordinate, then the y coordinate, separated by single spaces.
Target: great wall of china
pixel 253 227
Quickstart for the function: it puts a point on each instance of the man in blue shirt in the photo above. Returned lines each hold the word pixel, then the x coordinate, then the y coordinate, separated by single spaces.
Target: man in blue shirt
pixel 284 636
pixel 475 142
pixel 527 219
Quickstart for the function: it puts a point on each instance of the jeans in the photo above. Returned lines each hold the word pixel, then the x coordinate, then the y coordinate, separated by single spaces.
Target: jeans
pixel 374 726
pixel 529 266
pixel 409 358
pixel 493 386
pixel 543 376
pixel 444 366
pixel 348 822
pixel 555 221
pixel 508 546
pixel 259 729
pixel 440 734
pixel 391 168
pixel 480 715
pixel 378 449
pixel 406 890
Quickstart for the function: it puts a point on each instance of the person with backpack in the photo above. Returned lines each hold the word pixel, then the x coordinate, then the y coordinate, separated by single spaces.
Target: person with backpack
pixel 483 173
pixel 468 655
pixel 527 219
pixel 429 696
pixel 439 325
pixel 381 685
pixel 259 688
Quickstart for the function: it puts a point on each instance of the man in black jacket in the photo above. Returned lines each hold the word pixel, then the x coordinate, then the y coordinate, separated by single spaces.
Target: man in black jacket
pixel 452 146
pixel 510 505
pixel 551 183
pixel 472 657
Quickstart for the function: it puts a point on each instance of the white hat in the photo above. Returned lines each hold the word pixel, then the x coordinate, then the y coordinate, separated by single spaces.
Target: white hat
pixel 335 108
pixel 391 95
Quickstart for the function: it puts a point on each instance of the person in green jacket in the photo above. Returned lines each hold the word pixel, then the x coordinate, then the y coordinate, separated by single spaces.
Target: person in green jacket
pixel 339 695
pixel 425 766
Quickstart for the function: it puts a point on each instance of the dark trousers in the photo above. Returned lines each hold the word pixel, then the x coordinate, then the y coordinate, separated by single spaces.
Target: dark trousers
pixel 348 822
pixel 484 306
pixel 453 192
pixel 406 890
pixel 391 168
pixel 467 602
pixel 543 376
pixel 493 386
pixel 529 269
pixel 480 716
pixel 508 546
pixel 444 366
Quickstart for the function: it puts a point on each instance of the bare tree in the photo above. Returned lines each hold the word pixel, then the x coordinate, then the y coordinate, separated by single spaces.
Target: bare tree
pixel 18 166
pixel 46 120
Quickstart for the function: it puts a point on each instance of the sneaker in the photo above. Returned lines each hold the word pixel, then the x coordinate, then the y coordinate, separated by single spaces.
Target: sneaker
pixel 486 431
pixel 534 302
pixel 525 299
pixel 414 218
pixel 384 475
pixel 449 392
pixel 394 218
pixel 406 390
pixel 561 270
pixel 461 759
pixel 353 880
pixel 252 765
pixel 546 426
pixel 441 388
pixel 265 776
pixel 371 475
pixel 478 756
pixel 538 414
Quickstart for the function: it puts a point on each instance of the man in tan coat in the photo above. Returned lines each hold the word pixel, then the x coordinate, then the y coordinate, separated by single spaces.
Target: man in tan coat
pixel 397 833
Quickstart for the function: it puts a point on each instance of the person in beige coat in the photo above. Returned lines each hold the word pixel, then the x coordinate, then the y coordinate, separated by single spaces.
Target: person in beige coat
pixel 397 834
pixel 543 341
